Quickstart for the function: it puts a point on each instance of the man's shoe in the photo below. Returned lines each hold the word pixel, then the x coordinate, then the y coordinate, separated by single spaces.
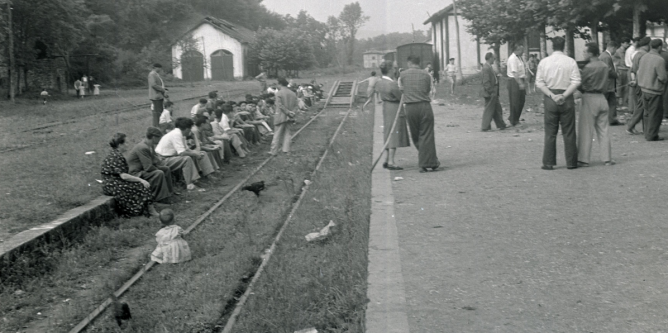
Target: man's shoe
pixel 631 131
pixel 547 167
pixel 582 164
pixel 385 165
pixel 609 163
pixel 571 167
pixel 616 123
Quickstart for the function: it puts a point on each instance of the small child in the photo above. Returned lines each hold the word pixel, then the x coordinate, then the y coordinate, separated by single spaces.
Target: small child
pixel 166 123
pixel 172 249
pixel 45 95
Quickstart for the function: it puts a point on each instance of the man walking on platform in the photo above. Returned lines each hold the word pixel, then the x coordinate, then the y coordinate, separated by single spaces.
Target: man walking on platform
pixel 622 74
pixel 490 91
pixel 156 93
pixel 641 50
pixel 416 85
pixel 557 77
pixel 594 111
pixel 652 80
pixel 628 61
pixel 611 86
pixel 516 84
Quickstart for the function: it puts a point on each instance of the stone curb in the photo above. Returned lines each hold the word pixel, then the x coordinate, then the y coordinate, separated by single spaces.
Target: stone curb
pixel 67 227
pixel 386 310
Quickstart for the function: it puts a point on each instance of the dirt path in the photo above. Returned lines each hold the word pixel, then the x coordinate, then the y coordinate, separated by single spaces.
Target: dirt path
pixel 495 244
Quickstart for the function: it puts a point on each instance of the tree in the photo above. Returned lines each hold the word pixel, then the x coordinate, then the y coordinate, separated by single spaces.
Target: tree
pixel 288 50
pixel 351 19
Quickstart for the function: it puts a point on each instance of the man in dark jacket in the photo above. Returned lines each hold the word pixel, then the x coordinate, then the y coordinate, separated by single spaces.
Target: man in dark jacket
pixel 607 58
pixel 490 91
pixel 144 163
pixel 652 81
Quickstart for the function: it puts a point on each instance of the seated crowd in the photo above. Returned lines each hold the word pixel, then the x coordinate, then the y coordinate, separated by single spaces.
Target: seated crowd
pixel 186 148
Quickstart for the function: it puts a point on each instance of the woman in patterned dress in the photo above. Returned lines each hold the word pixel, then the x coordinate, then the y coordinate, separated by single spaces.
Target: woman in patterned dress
pixel 132 194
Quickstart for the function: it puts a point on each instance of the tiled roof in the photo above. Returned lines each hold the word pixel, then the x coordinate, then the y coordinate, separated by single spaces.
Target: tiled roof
pixel 439 15
pixel 235 31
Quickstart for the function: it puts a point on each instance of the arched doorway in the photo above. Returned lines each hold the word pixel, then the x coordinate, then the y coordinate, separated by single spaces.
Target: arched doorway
pixel 222 65
pixel 192 64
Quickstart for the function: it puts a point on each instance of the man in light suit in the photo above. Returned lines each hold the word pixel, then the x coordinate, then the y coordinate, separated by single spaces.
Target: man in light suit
pixel 607 58
pixel 144 163
pixel 156 93
pixel 490 91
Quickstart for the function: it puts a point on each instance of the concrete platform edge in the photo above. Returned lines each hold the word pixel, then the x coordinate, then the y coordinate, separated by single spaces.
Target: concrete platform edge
pixel 386 310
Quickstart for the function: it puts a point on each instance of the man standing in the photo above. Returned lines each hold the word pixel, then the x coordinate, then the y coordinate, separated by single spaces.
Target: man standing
pixel 664 55
pixel 594 112
pixel 638 111
pixel 144 163
pixel 416 84
pixel 652 80
pixel 77 86
pixel 516 84
pixel 606 58
pixel 156 92
pixel 371 89
pixel 622 74
pixel 557 77
pixel 176 155
pixel 262 78
pixel 628 61
pixel 286 106
pixel 490 91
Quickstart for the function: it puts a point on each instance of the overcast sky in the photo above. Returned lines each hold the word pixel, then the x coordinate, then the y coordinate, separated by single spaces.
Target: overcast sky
pixel 386 15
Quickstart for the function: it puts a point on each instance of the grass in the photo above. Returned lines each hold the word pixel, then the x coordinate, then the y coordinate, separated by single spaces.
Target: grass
pixel 322 284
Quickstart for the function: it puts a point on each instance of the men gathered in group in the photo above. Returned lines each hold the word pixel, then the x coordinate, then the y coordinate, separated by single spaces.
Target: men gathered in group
pixel 490 85
pixel 558 77
pixel 416 85
pixel 516 84
pixel 595 107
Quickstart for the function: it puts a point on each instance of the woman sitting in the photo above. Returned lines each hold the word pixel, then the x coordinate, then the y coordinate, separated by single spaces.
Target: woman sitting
pixel 132 194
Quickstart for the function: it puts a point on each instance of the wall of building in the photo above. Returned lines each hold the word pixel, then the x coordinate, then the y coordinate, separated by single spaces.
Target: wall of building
pixel 372 60
pixel 211 40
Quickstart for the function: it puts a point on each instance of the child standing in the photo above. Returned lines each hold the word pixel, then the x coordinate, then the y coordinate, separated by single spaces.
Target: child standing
pixel 45 95
pixel 172 249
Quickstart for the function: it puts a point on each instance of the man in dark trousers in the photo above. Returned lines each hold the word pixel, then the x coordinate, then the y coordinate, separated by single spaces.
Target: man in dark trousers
pixel 558 76
pixel 156 93
pixel 652 81
pixel 611 87
pixel 144 163
pixel 641 50
pixel 416 85
pixel 664 55
pixel 490 91
pixel 516 84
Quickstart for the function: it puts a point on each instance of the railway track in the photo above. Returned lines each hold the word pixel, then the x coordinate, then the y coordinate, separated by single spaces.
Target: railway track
pixel 338 90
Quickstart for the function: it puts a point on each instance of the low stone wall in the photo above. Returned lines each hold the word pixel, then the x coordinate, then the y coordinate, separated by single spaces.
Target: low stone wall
pixel 68 227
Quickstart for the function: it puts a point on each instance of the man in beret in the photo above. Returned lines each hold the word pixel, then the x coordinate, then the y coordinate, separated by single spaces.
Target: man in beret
pixel 641 51
pixel 144 163
pixel 652 81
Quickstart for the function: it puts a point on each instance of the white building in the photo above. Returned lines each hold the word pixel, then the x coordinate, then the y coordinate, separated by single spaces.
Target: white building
pixel 219 51
pixel 373 58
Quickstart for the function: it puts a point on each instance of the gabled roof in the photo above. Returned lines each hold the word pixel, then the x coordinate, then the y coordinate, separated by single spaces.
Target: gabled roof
pixel 237 32
pixel 439 15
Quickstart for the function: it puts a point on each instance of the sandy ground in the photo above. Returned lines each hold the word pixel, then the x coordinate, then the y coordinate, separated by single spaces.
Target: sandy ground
pixel 495 244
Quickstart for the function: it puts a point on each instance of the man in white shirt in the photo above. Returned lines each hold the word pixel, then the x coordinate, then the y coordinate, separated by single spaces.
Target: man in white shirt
pixel 628 61
pixel 558 76
pixel 222 130
pixel 200 105
pixel 176 155
pixel 516 84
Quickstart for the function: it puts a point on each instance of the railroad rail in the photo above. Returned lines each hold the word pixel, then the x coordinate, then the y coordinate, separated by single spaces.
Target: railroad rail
pixel 343 88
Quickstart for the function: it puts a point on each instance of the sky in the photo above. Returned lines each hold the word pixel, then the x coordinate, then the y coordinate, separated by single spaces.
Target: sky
pixel 385 15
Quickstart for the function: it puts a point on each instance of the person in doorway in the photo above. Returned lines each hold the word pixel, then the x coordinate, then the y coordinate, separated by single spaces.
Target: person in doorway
pixel 416 84
pixel 490 91
pixel 595 103
pixel 610 90
pixel 156 92
pixel 286 107
pixel 558 76
pixel 370 90
pixel 451 74
pixel 641 50
pixel 389 93
pixel 516 84
pixel 652 80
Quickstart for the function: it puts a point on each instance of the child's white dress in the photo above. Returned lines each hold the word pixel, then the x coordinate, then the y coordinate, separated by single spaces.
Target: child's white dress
pixel 172 249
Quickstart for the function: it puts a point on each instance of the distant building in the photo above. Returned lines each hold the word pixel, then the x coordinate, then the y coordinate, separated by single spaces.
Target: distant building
pixel 219 51
pixel 657 31
pixel 373 58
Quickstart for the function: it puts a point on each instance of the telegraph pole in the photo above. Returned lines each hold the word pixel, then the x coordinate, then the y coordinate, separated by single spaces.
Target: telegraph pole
pixel 10 40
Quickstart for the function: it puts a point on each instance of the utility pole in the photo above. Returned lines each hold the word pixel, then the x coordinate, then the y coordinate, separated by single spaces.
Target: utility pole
pixel 10 40
pixel 460 76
